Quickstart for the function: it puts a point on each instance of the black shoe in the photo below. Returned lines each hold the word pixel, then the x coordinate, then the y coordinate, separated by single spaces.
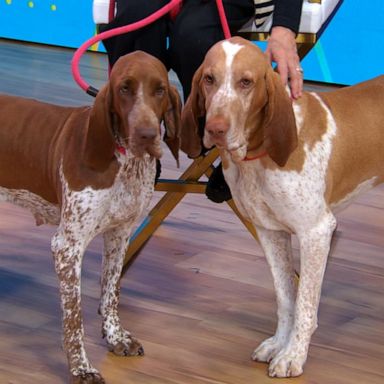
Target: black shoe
pixel 217 189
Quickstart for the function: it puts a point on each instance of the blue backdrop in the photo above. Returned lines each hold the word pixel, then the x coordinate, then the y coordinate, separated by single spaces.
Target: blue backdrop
pixel 350 50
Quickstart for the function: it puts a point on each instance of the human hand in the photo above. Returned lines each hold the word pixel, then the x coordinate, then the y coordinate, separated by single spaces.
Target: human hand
pixel 282 50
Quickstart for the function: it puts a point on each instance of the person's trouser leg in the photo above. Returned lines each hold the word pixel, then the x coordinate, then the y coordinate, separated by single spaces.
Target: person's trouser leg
pixel 197 28
pixel 151 39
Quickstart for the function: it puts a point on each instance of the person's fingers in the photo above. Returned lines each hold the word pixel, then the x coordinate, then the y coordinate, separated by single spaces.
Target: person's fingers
pixel 283 51
pixel 282 69
pixel 275 53
pixel 296 82
pixel 295 76
pixel 268 54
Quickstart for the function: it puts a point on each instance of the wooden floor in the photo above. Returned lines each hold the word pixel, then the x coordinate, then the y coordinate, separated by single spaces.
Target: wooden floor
pixel 199 296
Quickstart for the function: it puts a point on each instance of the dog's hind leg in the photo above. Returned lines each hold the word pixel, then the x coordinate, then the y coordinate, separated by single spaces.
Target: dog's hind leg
pixel 119 340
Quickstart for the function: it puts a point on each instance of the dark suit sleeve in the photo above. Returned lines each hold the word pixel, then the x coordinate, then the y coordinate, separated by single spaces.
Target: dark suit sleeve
pixel 287 14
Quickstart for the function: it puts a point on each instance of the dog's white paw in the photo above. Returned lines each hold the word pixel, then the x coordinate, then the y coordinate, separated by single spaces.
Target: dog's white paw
pixel 87 378
pixel 123 344
pixel 267 350
pixel 286 364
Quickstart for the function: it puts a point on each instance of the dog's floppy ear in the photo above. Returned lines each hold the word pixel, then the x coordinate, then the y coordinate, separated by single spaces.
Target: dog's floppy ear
pixel 280 134
pixel 99 144
pixel 194 109
pixel 172 122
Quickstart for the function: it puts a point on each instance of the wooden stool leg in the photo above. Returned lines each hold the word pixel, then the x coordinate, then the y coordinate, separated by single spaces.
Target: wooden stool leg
pixel 187 183
pixel 303 49
pixel 149 225
pixel 247 223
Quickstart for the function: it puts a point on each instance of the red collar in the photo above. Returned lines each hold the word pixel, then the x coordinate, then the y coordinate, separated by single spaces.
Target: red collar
pixel 121 149
pixel 258 156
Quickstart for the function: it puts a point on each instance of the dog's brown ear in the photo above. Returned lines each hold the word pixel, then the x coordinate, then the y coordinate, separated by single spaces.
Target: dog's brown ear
pixel 194 109
pixel 172 122
pixel 99 143
pixel 280 134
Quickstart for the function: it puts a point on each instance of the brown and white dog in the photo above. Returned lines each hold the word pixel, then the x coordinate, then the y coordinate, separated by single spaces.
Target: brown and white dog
pixel 289 166
pixel 90 170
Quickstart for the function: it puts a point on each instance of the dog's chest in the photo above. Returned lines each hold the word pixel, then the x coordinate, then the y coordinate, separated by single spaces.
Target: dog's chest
pixel 275 199
pixel 97 210
pixel 248 191
pixel 132 190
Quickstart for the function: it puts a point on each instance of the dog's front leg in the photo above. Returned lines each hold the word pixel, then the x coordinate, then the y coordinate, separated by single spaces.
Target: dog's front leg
pixel 314 250
pixel 68 249
pixel 278 251
pixel 119 340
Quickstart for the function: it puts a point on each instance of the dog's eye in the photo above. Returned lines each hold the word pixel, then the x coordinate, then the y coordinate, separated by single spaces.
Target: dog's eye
pixel 125 90
pixel 245 83
pixel 208 79
pixel 160 91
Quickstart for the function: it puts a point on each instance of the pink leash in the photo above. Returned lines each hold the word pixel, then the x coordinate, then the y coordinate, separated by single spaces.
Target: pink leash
pixel 223 19
pixel 171 7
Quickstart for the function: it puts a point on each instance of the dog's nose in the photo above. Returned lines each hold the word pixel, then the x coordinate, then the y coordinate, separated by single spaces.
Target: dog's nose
pixel 147 134
pixel 217 127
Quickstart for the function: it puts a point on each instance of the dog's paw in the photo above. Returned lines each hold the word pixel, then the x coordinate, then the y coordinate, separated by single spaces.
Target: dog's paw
pixel 87 378
pixel 267 350
pixel 121 342
pixel 286 364
pixel 128 346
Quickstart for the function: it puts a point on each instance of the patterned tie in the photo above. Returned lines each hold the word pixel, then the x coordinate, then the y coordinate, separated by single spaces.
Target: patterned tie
pixel 263 8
